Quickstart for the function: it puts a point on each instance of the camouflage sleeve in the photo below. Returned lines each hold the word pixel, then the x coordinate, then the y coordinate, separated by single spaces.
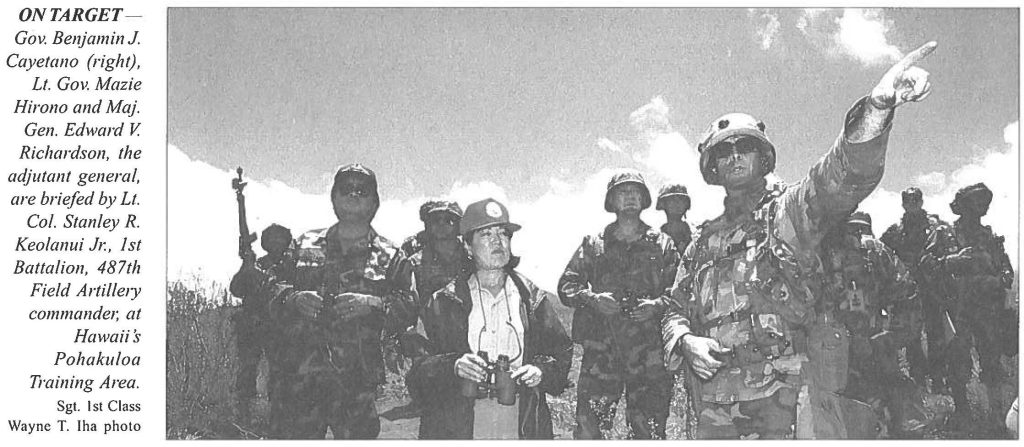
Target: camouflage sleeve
pixel 669 267
pixel 896 282
pixel 247 282
pixel 554 348
pixel 890 236
pixel 400 302
pixel 286 321
pixel 574 285
pixel 404 276
pixel 435 375
pixel 932 264
pixel 677 320
pixel 1003 263
pixel 835 185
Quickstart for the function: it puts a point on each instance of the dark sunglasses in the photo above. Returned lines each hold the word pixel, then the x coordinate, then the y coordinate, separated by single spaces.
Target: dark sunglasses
pixel 356 190
pixel 741 146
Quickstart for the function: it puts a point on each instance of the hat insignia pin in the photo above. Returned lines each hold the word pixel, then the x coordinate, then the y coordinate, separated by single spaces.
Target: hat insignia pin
pixel 493 209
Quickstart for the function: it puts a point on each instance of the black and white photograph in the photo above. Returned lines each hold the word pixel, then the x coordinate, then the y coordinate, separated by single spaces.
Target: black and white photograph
pixel 592 223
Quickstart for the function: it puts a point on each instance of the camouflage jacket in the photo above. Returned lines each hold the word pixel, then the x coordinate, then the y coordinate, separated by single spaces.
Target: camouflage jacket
pixel 909 243
pixel 424 272
pixel 981 280
pixel 643 268
pixel 448 415
pixel 329 344
pixel 253 284
pixel 866 286
pixel 412 244
pixel 681 238
pixel 751 277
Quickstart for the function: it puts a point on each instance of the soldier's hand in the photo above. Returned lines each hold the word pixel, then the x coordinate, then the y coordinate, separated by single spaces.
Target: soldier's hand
pixel 248 257
pixel 698 351
pixel 606 304
pixel 471 366
pixel 306 303
pixel 958 259
pixel 355 305
pixel 644 311
pixel 528 375
pixel 903 82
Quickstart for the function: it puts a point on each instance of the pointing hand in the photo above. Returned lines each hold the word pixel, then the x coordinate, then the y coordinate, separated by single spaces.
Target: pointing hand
pixel 904 82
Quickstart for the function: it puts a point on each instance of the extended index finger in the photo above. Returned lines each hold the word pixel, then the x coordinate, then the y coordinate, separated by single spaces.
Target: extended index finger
pixel 916 56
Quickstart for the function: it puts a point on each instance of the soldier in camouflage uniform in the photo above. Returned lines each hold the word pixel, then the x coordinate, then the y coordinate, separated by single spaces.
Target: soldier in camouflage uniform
pixel 617 281
pixel 333 316
pixel 968 263
pixel 435 255
pixel 908 239
pixel 761 362
pixel 869 291
pixel 433 258
pixel 675 202
pixel 254 335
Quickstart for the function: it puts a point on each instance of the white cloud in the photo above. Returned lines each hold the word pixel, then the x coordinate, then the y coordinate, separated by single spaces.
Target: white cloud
pixel 203 216
pixel 608 145
pixel 998 168
pixel 859 34
pixel 553 224
pixel 862 34
pixel 767 26
pixel 652 119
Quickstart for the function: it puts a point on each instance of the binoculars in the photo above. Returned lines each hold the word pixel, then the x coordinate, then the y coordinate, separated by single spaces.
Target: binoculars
pixel 629 301
pixel 498 382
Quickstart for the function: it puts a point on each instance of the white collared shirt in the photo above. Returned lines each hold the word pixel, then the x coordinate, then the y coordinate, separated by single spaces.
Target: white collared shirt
pixel 495 326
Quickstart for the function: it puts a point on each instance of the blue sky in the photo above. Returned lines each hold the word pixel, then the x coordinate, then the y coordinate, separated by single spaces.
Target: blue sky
pixel 535 106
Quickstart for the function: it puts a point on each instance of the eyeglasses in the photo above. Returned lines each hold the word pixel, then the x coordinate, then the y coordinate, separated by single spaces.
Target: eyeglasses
pixel 740 146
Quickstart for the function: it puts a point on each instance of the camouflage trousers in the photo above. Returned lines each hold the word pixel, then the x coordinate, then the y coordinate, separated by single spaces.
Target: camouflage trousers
pixel 304 406
pixel 251 343
pixel 772 417
pixel 978 330
pixel 875 377
pixel 628 358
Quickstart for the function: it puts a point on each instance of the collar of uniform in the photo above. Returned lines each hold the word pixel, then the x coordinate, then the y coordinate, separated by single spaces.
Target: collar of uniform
pixel 648 235
pixel 327 234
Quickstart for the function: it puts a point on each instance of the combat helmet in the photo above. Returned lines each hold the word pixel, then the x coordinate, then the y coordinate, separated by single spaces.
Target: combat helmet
pixel 730 125
pixel 671 190
pixel 627 176
pixel 977 193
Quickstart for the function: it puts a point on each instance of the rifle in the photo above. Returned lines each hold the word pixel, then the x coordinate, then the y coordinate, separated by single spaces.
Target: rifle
pixel 245 238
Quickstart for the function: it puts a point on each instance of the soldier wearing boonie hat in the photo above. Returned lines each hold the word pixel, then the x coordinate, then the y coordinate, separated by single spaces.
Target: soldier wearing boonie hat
pixel 433 258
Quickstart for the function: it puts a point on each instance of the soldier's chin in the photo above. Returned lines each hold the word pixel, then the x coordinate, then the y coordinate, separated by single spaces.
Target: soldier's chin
pixel 353 216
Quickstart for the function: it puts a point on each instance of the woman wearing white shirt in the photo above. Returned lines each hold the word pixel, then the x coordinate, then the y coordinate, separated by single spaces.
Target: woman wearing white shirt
pixel 494 309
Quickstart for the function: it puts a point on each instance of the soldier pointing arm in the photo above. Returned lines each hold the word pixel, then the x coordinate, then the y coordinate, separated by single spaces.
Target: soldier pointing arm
pixel 744 293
